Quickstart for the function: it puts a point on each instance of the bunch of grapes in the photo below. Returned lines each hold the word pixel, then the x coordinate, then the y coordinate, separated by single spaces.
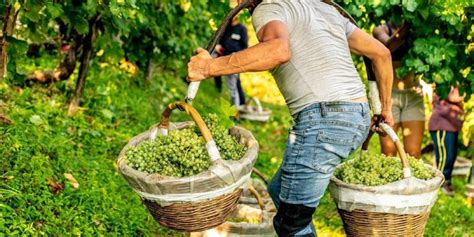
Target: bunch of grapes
pixel 183 152
pixel 229 147
pixel 378 169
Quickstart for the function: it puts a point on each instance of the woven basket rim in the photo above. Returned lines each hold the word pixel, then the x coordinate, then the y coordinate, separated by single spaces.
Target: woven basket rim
pixel 264 112
pixel 375 189
pixel 176 126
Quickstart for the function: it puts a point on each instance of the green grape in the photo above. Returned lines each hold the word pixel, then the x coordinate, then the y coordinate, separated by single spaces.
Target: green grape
pixel 183 152
pixel 378 169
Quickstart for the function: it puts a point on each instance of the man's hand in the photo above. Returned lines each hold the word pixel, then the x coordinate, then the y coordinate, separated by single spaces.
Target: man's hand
pixel 199 65
pixel 387 117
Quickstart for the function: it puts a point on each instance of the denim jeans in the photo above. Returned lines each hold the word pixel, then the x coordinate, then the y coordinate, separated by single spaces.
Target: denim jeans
pixel 233 83
pixel 323 134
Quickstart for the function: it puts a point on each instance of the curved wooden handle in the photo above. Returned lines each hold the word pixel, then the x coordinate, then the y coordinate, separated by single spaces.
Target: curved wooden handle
pixel 228 18
pixel 260 175
pixel 254 192
pixel 165 118
pixel 194 86
pixel 401 151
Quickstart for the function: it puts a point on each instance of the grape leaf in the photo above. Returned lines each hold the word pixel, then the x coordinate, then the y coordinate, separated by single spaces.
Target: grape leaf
pixel 227 111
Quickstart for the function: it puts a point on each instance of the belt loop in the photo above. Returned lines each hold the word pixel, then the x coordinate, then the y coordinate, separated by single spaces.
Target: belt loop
pixel 324 111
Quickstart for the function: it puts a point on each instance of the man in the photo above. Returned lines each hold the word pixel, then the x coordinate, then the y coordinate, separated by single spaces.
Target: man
pixel 307 43
pixel 234 40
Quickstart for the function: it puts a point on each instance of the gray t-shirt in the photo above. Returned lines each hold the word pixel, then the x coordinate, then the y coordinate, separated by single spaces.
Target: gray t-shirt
pixel 321 68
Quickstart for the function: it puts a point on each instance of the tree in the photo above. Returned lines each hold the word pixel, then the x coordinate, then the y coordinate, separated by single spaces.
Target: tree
pixel 441 37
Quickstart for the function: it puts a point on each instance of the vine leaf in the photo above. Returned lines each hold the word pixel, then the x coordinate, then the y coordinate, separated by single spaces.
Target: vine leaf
pixel 410 5
pixel 227 111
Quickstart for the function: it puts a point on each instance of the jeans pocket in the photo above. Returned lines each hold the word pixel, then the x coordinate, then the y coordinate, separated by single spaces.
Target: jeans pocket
pixel 335 141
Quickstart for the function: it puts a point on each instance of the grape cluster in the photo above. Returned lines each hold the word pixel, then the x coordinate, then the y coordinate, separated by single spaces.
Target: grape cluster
pixel 182 152
pixel 229 147
pixel 378 169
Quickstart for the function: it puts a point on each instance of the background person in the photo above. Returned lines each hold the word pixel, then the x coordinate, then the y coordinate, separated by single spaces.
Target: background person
pixel 444 126
pixel 235 39
pixel 407 96
pixel 314 70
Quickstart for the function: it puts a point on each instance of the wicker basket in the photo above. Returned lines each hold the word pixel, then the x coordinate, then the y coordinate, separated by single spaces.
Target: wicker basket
pixel 197 216
pixel 254 112
pixel 233 229
pixel 371 210
pixel 215 193
pixel 260 186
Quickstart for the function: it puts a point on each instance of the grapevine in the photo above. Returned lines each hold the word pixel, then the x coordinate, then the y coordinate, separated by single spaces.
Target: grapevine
pixel 374 170
pixel 182 153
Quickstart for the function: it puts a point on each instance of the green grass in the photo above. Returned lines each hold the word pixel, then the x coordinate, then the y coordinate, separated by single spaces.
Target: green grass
pixel 44 143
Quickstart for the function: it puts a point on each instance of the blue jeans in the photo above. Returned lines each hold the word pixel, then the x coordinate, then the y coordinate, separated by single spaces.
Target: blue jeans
pixel 446 147
pixel 235 89
pixel 323 134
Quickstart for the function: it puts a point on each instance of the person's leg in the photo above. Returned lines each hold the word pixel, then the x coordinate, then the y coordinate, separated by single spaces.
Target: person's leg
pixel 436 136
pixel 316 145
pixel 413 137
pixel 387 145
pixel 274 188
pixel 218 82
pixel 450 143
pixel 446 151
pixel 241 91
pixel 412 120
pixel 231 81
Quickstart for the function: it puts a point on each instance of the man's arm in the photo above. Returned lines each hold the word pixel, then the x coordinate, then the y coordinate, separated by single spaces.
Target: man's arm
pixel 361 43
pixel 273 50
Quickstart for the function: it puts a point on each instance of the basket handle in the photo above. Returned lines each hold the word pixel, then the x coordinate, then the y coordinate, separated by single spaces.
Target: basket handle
pixel 256 101
pixel 401 151
pixel 260 175
pixel 254 192
pixel 163 126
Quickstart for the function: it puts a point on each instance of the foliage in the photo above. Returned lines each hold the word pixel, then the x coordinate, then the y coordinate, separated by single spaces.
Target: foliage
pixel 43 144
pixel 441 37
pixel 468 127
pixel 137 29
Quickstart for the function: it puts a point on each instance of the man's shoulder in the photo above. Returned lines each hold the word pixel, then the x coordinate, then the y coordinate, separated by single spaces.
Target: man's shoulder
pixel 274 5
